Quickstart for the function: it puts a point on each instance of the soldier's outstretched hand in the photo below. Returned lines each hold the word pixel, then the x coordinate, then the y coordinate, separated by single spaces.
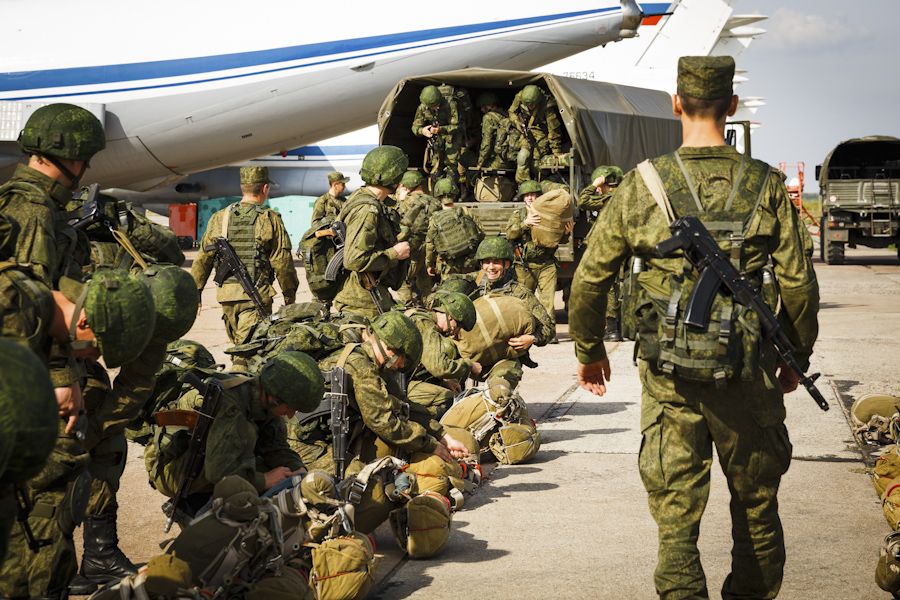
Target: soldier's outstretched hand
pixel 456 448
pixel 593 376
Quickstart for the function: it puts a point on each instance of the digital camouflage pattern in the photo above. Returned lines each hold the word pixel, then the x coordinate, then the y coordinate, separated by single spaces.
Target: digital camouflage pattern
pixel 494 151
pixel 591 199
pixel 446 188
pixel 543 124
pixel 384 166
pixel 430 96
pixel 680 419
pixel 295 379
pixel 255 175
pixel 176 299
pixel 457 306
pixel 400 334
pixel 326 205
pixel 337 176
pixel 612 174
pixel 412 179
pixel 27 309
pixel 495 247
pixel 416 210
pixel 706 77
pixel 530 187
pixel 450 138
pixel 64 131
pixel 452 239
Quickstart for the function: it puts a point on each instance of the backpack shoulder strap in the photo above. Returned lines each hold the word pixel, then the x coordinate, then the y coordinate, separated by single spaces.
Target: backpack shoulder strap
pixel 657 189
pixel 345 354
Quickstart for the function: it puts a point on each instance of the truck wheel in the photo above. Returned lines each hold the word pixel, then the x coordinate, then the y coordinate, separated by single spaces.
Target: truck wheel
pixel 834 252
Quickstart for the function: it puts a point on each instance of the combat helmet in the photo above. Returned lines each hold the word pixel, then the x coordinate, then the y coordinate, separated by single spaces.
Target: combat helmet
pixel 400 334
pixel 176 299
pixel 29 426
pixel 63 131
pixel 119 310
pixel 384 165
pixel 446 187
pixel 496 248
pixel 431 96
pixel 191 354
pixel 457 306
pixel 294 378
pixel 463 285
pixel 531 95
pixel 412 179
pixel 612 174
pixel 486 99
pixel 529 186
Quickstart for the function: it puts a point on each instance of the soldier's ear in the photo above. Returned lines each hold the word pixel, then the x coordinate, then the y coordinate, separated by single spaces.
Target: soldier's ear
pixel 676 105
pixel 732 108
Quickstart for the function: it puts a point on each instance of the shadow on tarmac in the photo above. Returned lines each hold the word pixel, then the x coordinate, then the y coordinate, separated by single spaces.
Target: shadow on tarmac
pixel 565 435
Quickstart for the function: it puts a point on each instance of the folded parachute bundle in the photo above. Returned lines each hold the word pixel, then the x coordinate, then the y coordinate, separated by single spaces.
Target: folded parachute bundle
pixel 555 208
pixel 165 577
pixel 499 318
pixel 422 525
pixel 340 568
pixel 876 418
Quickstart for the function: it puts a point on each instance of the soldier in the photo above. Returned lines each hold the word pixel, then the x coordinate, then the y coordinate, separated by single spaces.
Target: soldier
pixel 330 202
pixel 438 121
pixel 436 381
pixel 682 419
pixel 261 242
pixel 497 278
pixel 248 432
pixel 416 208
pixel 453 235
pixel 537 266
pixel 495 125
pixel 372 254
pixel 534 113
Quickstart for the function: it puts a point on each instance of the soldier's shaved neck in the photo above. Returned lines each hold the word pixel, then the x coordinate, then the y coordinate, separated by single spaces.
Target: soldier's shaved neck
pixel 702 130
pixel 379 191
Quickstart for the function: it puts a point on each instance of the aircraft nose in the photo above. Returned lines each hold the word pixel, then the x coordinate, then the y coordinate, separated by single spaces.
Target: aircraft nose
pixel 632 15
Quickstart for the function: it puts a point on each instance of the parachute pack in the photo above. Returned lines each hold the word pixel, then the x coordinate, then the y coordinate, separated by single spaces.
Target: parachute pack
pixel 457 233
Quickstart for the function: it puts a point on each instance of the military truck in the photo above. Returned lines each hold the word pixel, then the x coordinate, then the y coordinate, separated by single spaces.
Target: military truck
pixel 859 186
pixel 604 124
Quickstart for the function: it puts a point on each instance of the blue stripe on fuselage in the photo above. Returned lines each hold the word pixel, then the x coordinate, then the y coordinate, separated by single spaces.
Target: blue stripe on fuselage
pixel 83 76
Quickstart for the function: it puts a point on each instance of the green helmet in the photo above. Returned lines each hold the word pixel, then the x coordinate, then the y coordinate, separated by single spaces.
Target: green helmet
pixel 400 334
pixel 612 174
pixel 176 299
pixel 412 179
pixel 446 187
pixel 431 96
pixel 119 310
pixel 63 130
pixel 295 379
pixel 384 165
pixel 496 248
pixel 531 95
pixel 191 354
pixel 30 423
pixel 529 187
pixel 460 284
pixel 486 99
pixel 456 305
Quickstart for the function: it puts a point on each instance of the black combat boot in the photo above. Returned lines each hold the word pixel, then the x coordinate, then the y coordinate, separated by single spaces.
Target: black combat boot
pixel 102 561
pixel 612 331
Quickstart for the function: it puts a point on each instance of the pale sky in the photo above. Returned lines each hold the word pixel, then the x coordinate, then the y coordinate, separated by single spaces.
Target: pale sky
pixel 829 71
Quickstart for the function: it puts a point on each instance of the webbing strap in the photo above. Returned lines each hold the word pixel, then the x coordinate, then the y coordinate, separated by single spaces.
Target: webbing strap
pixel 488 340
pixel 126 243
pixel 690 183
pixel 734 190
pixel 233 382
pixel 657 189
pixel 227 218
pixel 345 354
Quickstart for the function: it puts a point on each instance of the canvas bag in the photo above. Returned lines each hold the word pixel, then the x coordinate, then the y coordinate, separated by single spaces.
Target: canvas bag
pixel 887 468
pixel 498 319
pixel 875 418
pixel 343 568
pixel 515 443
pixel 422 526
pixel 494 188
pixel 555 208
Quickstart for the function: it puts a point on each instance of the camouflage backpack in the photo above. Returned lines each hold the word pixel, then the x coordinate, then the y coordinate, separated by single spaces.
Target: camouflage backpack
pixel 457 233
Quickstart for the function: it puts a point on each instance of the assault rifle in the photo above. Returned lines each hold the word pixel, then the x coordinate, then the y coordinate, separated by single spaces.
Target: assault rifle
pixel 201 422
pixel 230 264
pixel 435 148
pixel 25 505
pixel 338 398
pixel 716 270
pixel 518 252
pixel 92 211
pixel 339 231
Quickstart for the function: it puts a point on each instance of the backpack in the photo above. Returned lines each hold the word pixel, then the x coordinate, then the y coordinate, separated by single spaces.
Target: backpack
pixel 875 418
pixel 422 525
pixel 729 345
pixel 457 233
pixel 506 140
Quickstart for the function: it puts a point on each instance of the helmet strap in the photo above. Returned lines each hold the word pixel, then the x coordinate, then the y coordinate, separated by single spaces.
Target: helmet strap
pixel 389 361
pixel 74 342
pixel 75 179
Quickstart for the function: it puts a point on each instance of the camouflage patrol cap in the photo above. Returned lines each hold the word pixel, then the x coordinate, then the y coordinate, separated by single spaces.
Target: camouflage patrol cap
pixel 255 175
pixel 612 174
pixel 431 96
pixel 529 186
pixel 384 165
pixel 176 299
pixel 337 176
pixel 446 190
pixel 705 77
pixel 400 334
pixel 295 379
pixel 30 422
pixel 457 306
pixel 486 99
pixel 64 131
pixel 119 310
pixel 531 95
pixel 412 179
pixel 9 233
pixel 494 247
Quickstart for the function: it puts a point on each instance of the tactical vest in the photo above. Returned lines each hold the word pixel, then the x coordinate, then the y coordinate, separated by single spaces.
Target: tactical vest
pixel 729 345
pixel 240 228
pixel 457 233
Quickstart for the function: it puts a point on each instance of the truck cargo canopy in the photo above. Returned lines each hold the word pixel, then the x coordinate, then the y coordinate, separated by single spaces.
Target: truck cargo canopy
pixel 875 156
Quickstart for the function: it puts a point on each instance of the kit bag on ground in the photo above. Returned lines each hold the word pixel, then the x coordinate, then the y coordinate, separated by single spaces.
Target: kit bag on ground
pixel 555 208
pixel 342 568
pixel 887 468
pixel 457 233
pixel 875 418
pixel 890 503
pixel 499 318
pixel 422 526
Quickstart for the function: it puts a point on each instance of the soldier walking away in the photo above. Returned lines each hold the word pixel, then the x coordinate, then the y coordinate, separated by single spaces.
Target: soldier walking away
pixel 536 117
pixel 536 266
pixel 330 203
pixel 453 235
pixel 262 244
pixel 438 121
pixel 698 392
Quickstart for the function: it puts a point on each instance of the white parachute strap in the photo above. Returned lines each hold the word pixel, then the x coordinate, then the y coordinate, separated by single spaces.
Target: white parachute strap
pixel 132 588
pixel 657 189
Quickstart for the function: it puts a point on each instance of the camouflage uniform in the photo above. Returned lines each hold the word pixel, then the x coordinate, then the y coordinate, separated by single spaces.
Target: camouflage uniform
pixel 491 152
pixel 681 420
pixel 544 125
pixel 416 210
pixel 326 204
pixel 273 240
pixel 244 437
pixel 443 266
pixel 450 138
pixel 591 199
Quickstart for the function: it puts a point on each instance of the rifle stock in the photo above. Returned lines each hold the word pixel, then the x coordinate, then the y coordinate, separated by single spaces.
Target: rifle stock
pixel 340 425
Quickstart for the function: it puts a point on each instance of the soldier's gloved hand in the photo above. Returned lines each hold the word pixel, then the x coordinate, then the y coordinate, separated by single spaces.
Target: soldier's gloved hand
pixel 402 250
pixel 70 403
pixel 457 449
pixel 276 476
pixel 521 342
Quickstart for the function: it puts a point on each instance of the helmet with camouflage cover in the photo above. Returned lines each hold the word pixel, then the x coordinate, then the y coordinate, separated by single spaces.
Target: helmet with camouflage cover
pixel 400 334
pixel 486 99
pixel 64 131
pixel 119 310
pixel 294 378
pixel 612 173
pixel 30 423
pixel 191 354
pixel 431 96
pixel 457 306
pixel 463 285
pixel 412 179
pixel 530 186
pixel 176 299
pixel 496 248
pixel 384 165
pixel 446 187
pixel 531 95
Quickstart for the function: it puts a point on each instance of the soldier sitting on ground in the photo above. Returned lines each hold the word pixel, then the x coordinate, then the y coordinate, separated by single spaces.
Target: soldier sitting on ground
pixel 453 235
